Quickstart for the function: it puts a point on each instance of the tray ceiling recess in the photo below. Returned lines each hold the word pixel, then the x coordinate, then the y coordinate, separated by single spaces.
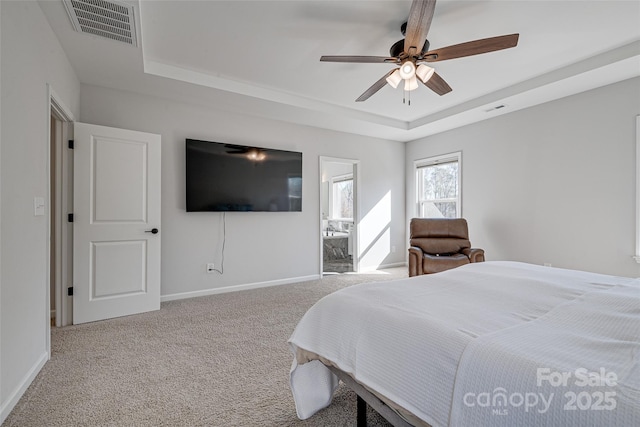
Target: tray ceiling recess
pixel 109 19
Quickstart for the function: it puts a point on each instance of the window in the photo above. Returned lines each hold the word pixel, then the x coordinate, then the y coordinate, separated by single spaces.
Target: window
pixel 342 194
pixel 438 186
pixel 637 255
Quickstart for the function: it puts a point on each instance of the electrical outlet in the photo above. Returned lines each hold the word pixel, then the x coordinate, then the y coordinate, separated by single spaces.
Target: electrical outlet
pixel 393 249
pixel 210 267
pixel 547 264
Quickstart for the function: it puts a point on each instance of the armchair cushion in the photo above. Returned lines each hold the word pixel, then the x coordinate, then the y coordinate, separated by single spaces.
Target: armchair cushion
pixel 436 264
pixel 441 246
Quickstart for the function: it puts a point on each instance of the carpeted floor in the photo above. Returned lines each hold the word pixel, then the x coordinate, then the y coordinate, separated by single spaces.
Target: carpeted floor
pixel 221 360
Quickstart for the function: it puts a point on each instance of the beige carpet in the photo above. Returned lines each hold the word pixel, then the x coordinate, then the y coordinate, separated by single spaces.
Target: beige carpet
pixel 221 360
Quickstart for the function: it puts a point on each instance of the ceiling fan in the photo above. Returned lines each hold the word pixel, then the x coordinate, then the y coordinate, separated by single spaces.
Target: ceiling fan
pixel 411 54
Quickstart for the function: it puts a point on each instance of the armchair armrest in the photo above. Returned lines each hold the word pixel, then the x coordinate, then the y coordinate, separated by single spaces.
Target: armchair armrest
pixel 415 261
pixel 474 254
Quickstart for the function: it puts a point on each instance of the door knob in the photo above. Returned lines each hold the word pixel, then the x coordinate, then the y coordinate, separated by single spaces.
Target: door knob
pixel 152 231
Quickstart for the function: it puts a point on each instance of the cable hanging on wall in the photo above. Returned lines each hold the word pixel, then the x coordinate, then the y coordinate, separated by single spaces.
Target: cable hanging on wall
pixel 224 240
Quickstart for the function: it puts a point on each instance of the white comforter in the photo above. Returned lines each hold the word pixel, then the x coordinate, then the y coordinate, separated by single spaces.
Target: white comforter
pixel 494 343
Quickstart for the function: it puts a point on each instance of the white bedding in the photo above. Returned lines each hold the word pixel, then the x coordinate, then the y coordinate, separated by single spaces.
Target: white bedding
pixel 447 347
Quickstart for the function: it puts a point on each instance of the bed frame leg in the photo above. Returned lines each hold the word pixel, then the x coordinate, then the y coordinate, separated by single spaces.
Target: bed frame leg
pixel 362 412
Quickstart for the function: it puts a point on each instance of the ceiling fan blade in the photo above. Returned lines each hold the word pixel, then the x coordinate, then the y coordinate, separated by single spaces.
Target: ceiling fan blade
pixel 359 59
pixel 475 47
pixel 438 85
pixel 375 87
pixel 418 24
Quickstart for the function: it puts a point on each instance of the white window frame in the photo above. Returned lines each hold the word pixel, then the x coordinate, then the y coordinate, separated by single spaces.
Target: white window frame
pixel 333 195
pixel 637 255
pixel 436 160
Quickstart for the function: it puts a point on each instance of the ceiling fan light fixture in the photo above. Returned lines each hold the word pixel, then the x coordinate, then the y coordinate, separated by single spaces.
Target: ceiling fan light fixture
pixel 424 72
pixel 411 84
pixel 394 78
pixel 407 70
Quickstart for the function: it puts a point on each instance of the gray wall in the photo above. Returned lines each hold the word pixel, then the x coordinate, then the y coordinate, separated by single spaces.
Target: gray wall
pixel 260 247
pixel 31 58
pixel 550 184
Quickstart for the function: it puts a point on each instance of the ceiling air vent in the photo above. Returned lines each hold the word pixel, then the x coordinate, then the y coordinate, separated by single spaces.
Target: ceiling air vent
pixel 110 19
pixel 497 107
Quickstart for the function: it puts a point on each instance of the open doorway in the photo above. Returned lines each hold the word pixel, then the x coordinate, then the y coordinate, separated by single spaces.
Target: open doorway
pixel 60 203
pixel 339 215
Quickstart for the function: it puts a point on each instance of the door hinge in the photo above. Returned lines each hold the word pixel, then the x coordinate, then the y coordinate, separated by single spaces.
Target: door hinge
pixel 70 217
pixel 70 291
pixel 71 144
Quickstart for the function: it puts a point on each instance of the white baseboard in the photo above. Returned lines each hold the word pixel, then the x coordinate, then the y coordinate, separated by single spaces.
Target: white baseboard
pixel 394 264
pixel 235 288
pixel 383 266
pixel 7 406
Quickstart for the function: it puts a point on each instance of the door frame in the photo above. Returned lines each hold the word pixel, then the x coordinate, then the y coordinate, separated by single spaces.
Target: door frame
pixel 63 116
pixel 356 208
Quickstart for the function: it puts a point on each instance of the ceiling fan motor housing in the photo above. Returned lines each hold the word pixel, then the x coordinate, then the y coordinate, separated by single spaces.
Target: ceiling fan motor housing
pixel 398 47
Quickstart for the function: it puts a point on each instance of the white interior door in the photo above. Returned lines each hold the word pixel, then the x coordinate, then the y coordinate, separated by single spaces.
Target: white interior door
pixel 116 253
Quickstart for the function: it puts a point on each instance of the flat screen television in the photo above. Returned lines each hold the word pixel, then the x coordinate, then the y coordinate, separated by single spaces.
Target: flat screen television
pixel 228 177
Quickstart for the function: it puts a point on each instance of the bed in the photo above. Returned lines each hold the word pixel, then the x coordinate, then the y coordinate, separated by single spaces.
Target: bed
pixel 486 344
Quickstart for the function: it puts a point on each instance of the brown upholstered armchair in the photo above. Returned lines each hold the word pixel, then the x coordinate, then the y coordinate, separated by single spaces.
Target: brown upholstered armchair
pixel 438 244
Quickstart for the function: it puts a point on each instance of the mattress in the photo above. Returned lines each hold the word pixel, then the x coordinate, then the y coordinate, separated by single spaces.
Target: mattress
pixel 493 343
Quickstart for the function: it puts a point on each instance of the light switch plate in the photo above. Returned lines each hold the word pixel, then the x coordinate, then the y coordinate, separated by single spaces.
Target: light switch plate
pixel 38 206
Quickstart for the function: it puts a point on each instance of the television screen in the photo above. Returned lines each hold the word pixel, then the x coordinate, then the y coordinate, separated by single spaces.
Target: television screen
pixel 228 177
